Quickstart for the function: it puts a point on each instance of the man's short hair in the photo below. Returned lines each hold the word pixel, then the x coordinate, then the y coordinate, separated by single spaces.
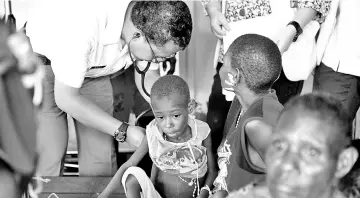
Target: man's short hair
pixel 163 21
pixel 167 85
pixel 259 60
pixel 331 111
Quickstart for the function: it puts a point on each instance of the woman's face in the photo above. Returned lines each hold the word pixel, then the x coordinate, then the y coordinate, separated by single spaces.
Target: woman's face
pixel 298 160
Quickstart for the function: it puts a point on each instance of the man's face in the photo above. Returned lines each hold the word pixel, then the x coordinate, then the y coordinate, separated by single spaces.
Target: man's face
pixel 142 49
pixel 299 164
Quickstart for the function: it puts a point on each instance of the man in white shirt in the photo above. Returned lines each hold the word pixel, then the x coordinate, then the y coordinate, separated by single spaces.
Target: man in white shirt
pixel 339 70
pixel 86 41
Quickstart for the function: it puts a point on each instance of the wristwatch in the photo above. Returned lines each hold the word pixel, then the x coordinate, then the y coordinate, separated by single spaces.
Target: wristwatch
pixel 120 133
pixel 298 29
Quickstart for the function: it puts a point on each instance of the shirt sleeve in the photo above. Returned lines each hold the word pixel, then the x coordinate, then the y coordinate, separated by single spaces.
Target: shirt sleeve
pixel 67 41
pixel 321 6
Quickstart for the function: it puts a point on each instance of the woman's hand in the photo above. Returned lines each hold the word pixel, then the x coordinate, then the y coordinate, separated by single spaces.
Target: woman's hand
pixel 285 38
pixel 217 19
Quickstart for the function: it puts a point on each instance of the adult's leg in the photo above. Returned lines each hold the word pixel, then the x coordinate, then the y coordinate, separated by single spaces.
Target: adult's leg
pixel 96 149
pixel 343 86
pixel 52 134
pixel 218 109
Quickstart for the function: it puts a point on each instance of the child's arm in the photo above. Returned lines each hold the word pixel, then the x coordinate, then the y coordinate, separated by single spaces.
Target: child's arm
pixel 133 161
pixel 154 172
pixel 259 135
pixel 211 173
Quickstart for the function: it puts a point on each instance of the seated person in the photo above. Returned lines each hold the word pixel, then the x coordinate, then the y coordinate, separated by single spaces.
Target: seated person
pixel 179 146
pixel 251 66
pixel 309 152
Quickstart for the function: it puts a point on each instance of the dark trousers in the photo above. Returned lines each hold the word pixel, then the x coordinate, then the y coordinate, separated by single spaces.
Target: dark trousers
pixel 343 86
pixel 218 107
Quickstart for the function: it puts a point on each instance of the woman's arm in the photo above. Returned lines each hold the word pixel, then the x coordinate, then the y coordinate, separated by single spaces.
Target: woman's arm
pixel 211 173
pixel 133 161
pixel 307 10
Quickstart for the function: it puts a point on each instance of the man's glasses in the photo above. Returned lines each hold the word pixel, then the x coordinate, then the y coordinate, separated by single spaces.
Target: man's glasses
pixel 157 59
pixel 143 72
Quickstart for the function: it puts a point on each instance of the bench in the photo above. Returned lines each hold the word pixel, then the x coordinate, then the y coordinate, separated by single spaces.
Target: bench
pixel 77 187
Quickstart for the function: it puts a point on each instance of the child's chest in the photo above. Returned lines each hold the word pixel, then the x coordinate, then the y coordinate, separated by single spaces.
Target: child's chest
pixel 172 186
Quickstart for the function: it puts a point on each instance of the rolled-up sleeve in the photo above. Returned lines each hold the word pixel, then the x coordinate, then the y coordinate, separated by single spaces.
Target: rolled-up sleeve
pixel 321 6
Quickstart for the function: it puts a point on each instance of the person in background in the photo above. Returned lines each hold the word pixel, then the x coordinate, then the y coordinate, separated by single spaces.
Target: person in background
pixel 309 153
pixel 179 146
pixel 19 97
pixel 235 10
pixel 84 50
pixel 251 66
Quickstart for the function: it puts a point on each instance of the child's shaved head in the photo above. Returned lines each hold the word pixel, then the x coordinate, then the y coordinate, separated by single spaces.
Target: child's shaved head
pixel 167 85
pixel 259 60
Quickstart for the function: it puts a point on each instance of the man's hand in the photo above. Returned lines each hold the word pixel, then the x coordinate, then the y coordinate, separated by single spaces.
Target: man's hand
pixel 135 135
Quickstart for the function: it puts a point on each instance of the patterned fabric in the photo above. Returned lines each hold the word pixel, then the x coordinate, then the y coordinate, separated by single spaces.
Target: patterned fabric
pixel 242 9
pixel 235 167
pixel 187 159
pixel 321 6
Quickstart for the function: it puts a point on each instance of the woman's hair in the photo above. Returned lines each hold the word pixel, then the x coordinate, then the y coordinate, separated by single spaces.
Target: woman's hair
pixel 350 183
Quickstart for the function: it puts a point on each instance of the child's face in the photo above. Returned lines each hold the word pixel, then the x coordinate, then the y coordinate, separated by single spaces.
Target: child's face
pixel 171 114
pixel 299 163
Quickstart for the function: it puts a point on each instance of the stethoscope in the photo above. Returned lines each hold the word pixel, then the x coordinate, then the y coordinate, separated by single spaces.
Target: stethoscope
pixel 141 72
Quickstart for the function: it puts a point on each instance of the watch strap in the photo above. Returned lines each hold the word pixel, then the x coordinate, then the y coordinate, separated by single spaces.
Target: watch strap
pixel 120 133
pixel 298 28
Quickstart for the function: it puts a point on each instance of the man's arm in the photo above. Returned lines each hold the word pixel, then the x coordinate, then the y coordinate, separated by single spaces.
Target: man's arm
pixel 72 102
pixel 150 77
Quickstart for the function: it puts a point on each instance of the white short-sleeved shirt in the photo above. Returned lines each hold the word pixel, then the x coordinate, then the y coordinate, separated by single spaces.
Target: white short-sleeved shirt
pixel 81 38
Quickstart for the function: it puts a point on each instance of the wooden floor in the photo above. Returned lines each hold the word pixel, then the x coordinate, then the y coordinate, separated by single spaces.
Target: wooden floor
pixel 77 187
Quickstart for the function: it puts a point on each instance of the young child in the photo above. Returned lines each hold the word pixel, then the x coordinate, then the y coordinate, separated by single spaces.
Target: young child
pixel 309 152
pixel 179 146
pixel 251 66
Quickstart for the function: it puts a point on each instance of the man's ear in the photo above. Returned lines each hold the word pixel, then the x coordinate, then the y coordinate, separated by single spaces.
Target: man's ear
pixel 346 161
pixel 192 105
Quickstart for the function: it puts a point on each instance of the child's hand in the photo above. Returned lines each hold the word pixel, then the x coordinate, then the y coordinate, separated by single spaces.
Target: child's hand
pixel 203 194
